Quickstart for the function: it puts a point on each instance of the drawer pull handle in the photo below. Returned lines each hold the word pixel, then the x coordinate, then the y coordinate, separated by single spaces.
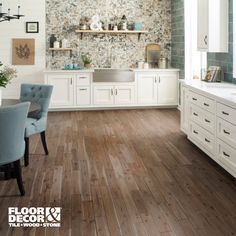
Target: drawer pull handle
pixel 226 132
pixel 207 140
pixel 225 154
pixel 205 104
pixel 82 89
pixel 225 113
pixel 195 132
pixel 195 114
pixel 207 121
pixel 111 92
pixel 83 77
pixel 194 99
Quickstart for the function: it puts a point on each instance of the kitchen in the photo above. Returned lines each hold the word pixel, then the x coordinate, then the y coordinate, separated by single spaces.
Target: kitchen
pixel 136 146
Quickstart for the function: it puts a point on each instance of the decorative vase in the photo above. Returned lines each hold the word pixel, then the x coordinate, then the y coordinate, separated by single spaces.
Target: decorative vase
pixel 52 39
pixel 88 66
pixel 0 97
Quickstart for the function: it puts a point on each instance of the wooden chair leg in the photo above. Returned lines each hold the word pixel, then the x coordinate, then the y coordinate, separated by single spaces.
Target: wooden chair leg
pixel 43 138
pixel 17 168
pixel 7 171
pixel 26 155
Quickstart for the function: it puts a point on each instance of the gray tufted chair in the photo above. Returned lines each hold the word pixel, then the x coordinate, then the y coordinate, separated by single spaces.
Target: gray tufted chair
pixel 37 121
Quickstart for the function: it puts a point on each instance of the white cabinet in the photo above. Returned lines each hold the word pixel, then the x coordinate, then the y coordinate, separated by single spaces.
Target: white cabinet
pixel 210 124
pixel 184 119
pixel 124 95
pixel 157 88
pixel 103 95
pixel 63 92
pixel 113 95
pixel 83 96
pixel 212 25
pixel 168 89
pixel 147 88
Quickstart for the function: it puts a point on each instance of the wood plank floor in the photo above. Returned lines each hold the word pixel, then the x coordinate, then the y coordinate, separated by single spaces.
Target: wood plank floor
pixel 123 173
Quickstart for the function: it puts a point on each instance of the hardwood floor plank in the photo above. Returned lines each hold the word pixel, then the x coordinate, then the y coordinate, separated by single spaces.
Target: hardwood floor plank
pixel 122 172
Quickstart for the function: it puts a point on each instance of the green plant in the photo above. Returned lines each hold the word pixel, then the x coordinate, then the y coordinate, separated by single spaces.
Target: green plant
pixel 6 75
pixel 86 59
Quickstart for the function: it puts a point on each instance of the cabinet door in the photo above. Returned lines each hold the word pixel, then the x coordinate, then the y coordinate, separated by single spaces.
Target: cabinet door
pixel 83 95
pixel 202 21
pixel 147 88
pixel 185 110
pixel 168 89
pixel 103 95
pixel 62 94
pixel 124 95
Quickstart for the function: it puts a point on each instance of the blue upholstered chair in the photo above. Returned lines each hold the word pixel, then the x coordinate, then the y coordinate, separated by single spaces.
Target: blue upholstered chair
pixel 37 121
pixel 12 133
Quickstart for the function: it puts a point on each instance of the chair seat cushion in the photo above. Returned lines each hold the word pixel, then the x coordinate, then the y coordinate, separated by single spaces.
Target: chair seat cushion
pixel 34 126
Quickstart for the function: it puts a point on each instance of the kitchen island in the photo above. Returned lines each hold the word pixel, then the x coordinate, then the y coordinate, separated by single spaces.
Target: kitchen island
pixel 78 90
pixel 208 114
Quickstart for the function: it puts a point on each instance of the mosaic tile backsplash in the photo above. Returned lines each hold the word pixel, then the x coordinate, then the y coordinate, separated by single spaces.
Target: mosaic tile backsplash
pixel 63 19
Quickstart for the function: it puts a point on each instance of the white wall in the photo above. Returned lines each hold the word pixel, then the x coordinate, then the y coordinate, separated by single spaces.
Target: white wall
pixel 34 11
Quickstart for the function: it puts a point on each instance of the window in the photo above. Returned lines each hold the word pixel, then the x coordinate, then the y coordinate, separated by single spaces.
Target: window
pixel 195 61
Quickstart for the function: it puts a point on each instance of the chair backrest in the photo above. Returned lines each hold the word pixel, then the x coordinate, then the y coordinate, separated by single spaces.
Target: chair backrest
pixel 12 132
pixel 39 94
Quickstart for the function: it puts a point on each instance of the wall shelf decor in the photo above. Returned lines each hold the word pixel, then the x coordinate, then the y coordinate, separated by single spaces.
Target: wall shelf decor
pixel 60 49
pixel 139 32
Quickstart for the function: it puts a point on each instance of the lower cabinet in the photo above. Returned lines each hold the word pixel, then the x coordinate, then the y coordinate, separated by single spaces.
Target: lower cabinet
pixel 103 95
pixel 75 89
pixel 157 88
pixel 113 95
pixel 185 111
pixel 168 89
pixel 210 125
pixel 63 90
pixel 83 96
pixel 147 88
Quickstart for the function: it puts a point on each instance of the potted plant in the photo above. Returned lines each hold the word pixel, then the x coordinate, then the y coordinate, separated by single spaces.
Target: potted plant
pixel 6 75
pixel 86 60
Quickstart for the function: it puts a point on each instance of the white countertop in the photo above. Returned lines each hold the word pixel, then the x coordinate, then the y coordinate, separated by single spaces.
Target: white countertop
pixel 69 71
pixel 93 69
pixel 154 70
pixel 224 92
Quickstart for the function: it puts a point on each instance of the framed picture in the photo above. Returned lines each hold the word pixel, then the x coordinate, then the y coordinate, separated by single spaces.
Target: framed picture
pixel 32 27
pixel 23 51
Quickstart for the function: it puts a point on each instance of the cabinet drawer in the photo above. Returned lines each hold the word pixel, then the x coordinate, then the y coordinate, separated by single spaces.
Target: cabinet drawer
pixel 205 119
pixel 83 79
pixel 226 132
pixel 202 137
pixel 83 96
pixel 226 112
pixel 202 101
pixel 226 155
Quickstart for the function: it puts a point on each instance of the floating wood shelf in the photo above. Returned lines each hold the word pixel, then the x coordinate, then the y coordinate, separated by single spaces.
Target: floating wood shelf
pixel 139 32
pixel 60 49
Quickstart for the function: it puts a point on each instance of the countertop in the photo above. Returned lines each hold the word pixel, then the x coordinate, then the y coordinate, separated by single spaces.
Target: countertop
pixel 154 70
pixel 69 71
pixel 223 92
pixel 93 69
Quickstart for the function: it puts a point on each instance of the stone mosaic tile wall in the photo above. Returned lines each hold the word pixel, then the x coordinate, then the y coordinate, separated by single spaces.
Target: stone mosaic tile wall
pixel 63 18
pixel 225 60
pixel 177 43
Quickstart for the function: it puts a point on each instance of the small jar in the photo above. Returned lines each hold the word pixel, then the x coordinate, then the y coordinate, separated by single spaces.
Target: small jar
pixel 163 63
pixel 146 66
pixel 56 44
